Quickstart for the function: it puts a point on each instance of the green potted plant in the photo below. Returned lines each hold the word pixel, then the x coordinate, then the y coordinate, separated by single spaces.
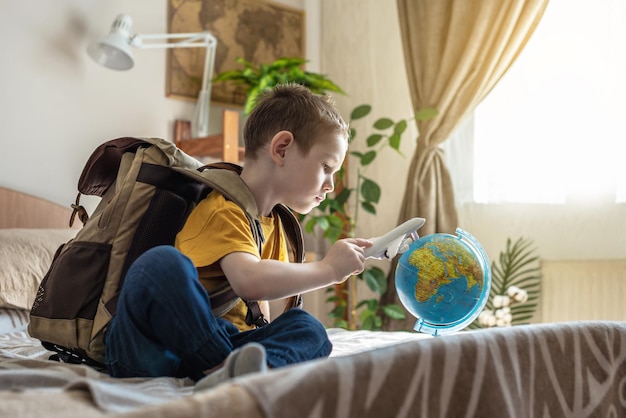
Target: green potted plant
pixel 264 76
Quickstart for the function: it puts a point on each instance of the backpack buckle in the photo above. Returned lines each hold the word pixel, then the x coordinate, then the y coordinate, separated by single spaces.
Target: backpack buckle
pixel 80 211
pixel 254 316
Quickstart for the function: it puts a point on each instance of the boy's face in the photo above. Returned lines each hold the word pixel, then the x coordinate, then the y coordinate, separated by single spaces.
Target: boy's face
pixel 310 177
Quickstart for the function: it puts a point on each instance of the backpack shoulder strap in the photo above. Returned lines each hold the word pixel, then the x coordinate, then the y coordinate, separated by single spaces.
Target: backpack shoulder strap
pixel 293 230
pixel 225 178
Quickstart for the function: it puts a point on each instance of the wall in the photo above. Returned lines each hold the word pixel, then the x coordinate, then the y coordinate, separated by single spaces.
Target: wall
pixel 362 52
pixel 57 105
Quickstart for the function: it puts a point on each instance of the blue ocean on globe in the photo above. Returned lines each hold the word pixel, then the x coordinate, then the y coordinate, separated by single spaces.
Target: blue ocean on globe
pixel 444 281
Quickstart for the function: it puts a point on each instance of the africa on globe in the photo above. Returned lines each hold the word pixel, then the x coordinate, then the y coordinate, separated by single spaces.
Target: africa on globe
pixel 444 281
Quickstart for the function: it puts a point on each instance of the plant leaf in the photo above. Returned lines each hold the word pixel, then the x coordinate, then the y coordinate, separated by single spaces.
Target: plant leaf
pixel 337 312
pixel 394 141
pixel 373 139
pixel 400 127
pixel 394 311
pixel 383 123
pixel 253 93
pixel 351 134
pixel 370 190
pixel 323 223
pixel 368 323
pixel 310 225
pixel 287 62
pixel 319 83
pixel 368 157
pixel 343 196
pixel 241 60
pixel 360 111
pixel 426 113
pixel 334 298
pixel 376 280
pixel 372 305
pixel 368 207
pixel 515 267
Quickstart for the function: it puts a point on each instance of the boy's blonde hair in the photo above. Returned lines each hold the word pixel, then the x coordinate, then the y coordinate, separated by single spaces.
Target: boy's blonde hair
pixel 293 108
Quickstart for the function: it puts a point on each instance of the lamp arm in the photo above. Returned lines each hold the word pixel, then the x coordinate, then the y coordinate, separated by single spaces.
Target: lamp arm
pixel 185 40
pixel 200 125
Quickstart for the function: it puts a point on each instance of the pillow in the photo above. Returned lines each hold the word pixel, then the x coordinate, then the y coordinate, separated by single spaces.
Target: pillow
pixel 25 257
pixel 13 320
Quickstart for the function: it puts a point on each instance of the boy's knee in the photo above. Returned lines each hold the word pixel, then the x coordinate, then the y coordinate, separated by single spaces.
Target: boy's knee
pixel 161 253
pixel 161 262
pixel 300 315
pixel 316 330
pixel 299 318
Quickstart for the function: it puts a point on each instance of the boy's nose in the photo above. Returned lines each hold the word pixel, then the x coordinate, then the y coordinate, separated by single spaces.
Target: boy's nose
pixel 328 186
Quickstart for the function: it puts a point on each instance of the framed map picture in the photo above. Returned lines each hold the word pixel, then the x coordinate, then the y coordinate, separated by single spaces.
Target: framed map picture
pixel 258 31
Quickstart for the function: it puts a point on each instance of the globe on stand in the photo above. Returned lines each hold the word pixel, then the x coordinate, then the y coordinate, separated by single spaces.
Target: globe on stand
pixel 444 281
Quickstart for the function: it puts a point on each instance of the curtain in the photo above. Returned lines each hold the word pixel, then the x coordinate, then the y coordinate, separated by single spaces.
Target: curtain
pixel 455 52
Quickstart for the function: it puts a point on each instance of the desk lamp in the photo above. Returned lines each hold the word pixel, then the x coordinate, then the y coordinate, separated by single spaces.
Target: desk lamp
pixel 114 51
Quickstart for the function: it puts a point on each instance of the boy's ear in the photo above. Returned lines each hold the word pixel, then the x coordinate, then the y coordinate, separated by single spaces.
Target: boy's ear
pixel 281 143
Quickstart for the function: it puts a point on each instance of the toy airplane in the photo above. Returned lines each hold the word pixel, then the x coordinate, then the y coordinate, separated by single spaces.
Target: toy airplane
pixel 395 241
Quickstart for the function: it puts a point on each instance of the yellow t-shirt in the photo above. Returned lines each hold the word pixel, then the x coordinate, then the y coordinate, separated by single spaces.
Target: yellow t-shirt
pixel 218 227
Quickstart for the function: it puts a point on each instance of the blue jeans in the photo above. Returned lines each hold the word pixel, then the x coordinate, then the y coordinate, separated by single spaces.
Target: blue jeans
pixel 164 325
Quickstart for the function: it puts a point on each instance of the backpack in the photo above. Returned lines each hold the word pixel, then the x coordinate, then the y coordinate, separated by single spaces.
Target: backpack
pixel 148 189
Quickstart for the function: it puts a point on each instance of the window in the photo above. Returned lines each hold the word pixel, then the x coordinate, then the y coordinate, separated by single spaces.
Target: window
pixel 553 129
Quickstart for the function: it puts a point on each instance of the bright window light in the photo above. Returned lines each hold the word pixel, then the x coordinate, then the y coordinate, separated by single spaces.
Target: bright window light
pixel 554 128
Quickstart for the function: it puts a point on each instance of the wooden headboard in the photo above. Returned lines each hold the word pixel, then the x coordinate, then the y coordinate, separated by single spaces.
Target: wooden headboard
pixel 21 210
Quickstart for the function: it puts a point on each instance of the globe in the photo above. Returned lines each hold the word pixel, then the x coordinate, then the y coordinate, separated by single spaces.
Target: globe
pixel 444 281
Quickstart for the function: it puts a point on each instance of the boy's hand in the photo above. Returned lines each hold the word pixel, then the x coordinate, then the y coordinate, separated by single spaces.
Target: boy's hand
pixel 346 257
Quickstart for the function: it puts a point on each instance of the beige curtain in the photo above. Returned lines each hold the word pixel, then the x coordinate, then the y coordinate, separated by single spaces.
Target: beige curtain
pixel 455 52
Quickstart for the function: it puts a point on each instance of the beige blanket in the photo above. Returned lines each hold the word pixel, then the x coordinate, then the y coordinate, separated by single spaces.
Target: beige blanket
pixel 553 370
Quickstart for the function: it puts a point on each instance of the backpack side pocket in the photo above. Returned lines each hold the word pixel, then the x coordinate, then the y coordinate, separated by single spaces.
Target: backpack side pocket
pixel 69 294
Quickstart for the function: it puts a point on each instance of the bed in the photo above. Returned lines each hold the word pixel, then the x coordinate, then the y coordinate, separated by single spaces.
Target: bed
pixel 569 369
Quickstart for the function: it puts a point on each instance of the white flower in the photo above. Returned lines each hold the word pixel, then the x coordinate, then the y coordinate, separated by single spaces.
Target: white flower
pixel 500 301
pixel 503 312
pixel 512 290
pixel 486 318
pixel 521 296
pixel 502 323
pixel 517 294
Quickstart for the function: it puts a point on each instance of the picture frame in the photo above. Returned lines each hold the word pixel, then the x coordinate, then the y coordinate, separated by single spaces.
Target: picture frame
pixel 259 31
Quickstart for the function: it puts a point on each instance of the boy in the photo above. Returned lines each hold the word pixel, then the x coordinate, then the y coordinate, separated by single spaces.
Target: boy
pixel 295 142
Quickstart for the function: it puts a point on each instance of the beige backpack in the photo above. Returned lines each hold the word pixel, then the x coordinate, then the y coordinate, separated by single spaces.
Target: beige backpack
pixel 148 189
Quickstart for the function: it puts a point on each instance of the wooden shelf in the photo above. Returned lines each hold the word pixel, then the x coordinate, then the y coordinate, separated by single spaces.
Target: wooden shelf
pixel 224 146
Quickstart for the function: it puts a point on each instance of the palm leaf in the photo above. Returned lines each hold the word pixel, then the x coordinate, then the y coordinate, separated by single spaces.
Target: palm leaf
pixel 517 266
